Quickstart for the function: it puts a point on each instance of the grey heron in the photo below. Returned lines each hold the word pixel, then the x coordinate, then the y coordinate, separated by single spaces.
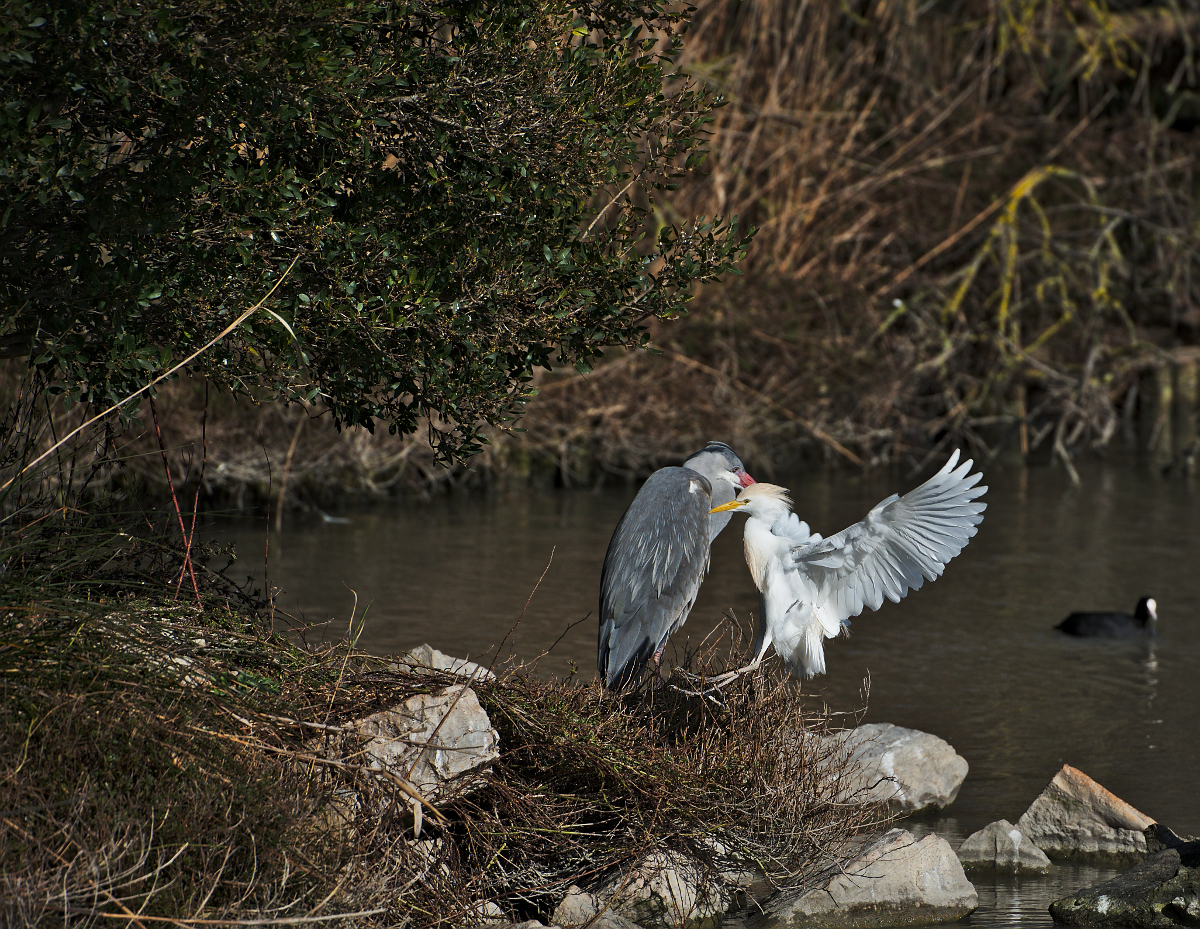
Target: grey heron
pixel 1113 625
pixel 810 587
pixel 658 556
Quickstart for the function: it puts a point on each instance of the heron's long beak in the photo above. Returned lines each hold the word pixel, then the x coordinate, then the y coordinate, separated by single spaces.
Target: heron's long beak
pixel 747 480
pixel 731 505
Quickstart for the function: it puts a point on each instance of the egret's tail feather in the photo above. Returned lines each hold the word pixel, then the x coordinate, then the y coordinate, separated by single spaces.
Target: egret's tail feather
pixel 810 656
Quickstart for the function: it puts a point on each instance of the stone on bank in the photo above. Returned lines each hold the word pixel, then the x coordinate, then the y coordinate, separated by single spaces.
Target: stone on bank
pixel 667 890
pixel 580 908
pixel 425 658
pixel 402 740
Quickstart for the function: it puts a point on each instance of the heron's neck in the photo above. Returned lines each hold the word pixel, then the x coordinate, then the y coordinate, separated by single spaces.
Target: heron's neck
pixel 722 492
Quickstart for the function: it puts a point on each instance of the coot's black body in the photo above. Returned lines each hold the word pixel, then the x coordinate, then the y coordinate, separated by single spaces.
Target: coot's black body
pixel 1113 625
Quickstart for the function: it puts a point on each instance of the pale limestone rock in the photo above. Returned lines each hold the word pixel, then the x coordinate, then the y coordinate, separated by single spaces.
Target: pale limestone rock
pixel 1001 845
pixel 579 907
pixel 1075 816
pixel 910 769
pixel 491 915
pixel 893 880
pixel 439 742
pixel 668 890
pixel 427 657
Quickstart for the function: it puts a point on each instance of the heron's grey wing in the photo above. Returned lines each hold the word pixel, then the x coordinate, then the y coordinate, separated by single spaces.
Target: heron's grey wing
pixel 653 569
pixel 902 542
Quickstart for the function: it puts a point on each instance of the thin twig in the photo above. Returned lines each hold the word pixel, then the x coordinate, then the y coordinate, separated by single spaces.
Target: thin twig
pixel 141 390
pixel 187 554
pixel 528 600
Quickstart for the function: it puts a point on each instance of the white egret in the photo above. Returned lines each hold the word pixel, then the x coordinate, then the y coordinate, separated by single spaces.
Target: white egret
pixel 810 586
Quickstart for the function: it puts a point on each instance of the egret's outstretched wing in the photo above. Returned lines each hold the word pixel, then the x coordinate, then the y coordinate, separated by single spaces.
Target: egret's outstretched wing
pixel 903 542
pixel 653 569
pixel 794 528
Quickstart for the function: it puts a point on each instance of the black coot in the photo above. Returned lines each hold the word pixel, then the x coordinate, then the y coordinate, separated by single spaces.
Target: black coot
pixel 1113 625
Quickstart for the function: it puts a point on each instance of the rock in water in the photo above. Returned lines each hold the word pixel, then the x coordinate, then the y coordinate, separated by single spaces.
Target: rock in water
pixel 1076 817
pixel 894 880
pixel 1162 892
pixel 910 769
pixel 1002 846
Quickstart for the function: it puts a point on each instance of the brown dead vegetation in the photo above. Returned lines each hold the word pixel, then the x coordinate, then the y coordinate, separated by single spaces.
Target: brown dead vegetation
pixel 971 215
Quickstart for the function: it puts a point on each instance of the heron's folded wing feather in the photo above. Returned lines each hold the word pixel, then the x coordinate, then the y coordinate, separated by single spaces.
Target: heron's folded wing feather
pixel 903 542
pixel 653 569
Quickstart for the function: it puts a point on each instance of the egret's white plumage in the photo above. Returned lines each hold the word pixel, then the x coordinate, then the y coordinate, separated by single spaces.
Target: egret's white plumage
pixel 811 586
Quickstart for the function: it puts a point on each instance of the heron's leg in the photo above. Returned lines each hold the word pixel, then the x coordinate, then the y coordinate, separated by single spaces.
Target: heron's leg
pixel 723 680
pixel 714 685
pixel 658 664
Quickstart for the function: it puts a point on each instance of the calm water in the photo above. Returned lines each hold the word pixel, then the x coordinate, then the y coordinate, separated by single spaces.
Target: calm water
pixel 973 658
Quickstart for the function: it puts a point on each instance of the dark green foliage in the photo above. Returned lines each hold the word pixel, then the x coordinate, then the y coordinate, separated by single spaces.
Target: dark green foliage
pixel 433 167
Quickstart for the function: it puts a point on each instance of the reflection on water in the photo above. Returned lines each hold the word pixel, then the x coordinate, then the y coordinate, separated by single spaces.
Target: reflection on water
pixel 973 657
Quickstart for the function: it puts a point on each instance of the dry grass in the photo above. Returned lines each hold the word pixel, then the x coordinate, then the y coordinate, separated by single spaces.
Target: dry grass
pixel 970 215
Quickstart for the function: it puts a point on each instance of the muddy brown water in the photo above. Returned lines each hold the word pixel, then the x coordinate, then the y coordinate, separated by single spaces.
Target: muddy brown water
pixel 973 657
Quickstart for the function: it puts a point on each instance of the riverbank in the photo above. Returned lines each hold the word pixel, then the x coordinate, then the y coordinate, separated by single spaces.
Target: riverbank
pixel 976 227
pixel 174 758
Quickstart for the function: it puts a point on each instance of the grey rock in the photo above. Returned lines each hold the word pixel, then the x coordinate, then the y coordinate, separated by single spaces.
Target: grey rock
pixel 1162 892
pixel 735 871
pixel 488 913
pixel 910 769
pixel 1001 845
pixel 440 742
pixel 892 880
pixel 426 657
pixel 668 890
pixel 579 907
pixel 576 908
pixel 1076 817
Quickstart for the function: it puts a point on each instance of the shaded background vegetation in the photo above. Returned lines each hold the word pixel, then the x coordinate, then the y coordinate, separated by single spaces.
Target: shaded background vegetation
pixel 978 221
pixel 411 184
pixel 971 213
